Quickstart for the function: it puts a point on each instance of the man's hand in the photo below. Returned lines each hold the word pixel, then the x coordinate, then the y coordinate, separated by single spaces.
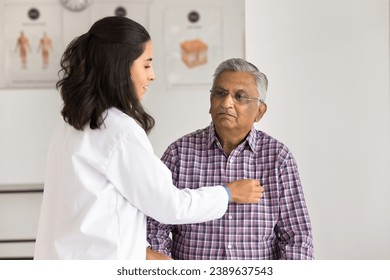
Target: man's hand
pixel 153 255
pixel 246 191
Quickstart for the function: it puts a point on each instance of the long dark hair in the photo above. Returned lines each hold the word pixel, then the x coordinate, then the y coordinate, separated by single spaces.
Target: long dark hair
pixel 95 70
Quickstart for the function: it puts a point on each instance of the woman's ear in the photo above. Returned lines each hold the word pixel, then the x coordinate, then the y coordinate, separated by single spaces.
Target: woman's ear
pixel 261 111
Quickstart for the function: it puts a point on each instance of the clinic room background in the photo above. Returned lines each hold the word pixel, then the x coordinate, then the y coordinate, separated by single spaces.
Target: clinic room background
pixel 327 62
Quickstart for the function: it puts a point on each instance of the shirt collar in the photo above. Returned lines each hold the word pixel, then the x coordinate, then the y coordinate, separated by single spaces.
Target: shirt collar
pixel 250 140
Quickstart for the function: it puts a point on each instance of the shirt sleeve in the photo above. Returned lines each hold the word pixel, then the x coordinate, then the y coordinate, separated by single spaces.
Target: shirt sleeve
pixel 158 236
pixel 293 228
pixel 140 176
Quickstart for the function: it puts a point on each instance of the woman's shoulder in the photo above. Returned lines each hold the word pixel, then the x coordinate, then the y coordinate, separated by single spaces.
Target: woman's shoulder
pixel 116 121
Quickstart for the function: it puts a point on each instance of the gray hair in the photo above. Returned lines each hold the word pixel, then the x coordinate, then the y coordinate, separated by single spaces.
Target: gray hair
pixel 241 65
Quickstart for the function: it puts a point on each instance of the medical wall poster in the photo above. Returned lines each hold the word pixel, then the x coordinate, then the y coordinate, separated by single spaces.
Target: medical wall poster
pixel 35 33
pixel 32 37
pixel 193 44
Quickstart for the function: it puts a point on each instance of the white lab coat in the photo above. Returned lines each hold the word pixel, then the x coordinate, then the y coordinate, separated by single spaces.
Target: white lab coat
pixel 100 186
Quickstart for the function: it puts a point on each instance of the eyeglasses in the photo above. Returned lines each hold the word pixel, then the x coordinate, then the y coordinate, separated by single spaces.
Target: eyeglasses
pixel 238 97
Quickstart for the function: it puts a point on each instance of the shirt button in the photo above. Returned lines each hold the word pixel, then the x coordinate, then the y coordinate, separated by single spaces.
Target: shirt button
pixel 230 217
pixel 229 246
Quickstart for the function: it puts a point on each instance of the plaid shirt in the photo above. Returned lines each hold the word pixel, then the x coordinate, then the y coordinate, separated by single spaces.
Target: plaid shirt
pixel 278 227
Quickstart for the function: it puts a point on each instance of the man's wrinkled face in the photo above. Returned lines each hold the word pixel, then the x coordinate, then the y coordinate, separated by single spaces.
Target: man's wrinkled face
pixel 228 112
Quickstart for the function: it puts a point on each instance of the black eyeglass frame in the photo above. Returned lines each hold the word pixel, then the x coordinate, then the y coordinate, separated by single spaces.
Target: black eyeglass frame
pixel 219 93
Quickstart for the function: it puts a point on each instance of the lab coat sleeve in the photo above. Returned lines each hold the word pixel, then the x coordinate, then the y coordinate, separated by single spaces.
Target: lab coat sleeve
pixel 141 178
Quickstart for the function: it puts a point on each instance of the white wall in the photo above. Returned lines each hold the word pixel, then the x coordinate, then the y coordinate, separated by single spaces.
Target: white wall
pixel 27 118
pixel 328 68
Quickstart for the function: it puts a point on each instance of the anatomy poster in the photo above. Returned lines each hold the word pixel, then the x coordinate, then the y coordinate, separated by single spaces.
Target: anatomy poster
pixel 32 44
pixel 193 44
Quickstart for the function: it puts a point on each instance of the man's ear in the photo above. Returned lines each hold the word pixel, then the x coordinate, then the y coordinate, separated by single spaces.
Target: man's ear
pixel 261 111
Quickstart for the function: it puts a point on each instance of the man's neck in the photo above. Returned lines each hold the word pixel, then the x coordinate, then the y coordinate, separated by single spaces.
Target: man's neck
pixel 229 141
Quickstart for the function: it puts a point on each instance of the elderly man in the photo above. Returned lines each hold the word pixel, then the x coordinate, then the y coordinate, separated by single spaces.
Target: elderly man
pixel 230 148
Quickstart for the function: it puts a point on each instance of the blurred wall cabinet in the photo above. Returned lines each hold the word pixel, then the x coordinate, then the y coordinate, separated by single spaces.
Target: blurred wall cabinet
pixel 19 215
